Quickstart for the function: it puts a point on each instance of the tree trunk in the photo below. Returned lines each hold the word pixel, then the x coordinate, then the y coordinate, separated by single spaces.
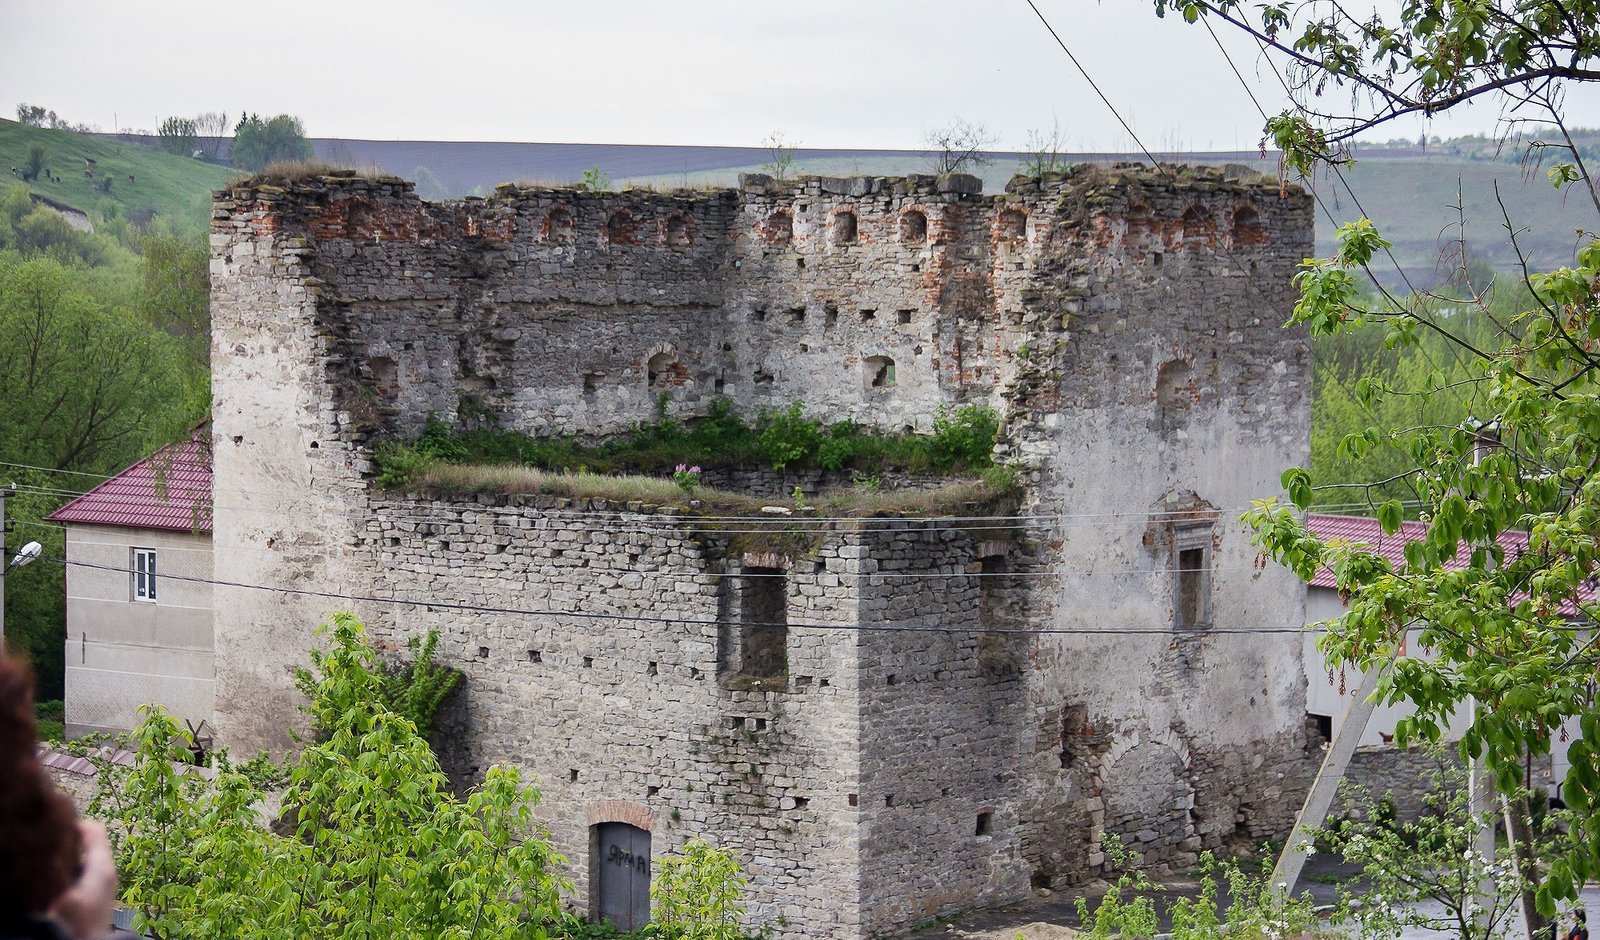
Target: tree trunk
pixel 1519 835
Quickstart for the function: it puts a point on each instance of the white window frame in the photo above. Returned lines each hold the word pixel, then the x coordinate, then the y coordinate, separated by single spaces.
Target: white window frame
pixel 144 575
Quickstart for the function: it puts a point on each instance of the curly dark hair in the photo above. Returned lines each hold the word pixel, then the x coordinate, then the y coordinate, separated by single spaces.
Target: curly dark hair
pixel 39 844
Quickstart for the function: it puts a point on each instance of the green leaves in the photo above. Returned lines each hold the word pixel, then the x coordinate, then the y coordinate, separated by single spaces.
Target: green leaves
pixel 380 848
pixel 1297 483
pixel 696 895
pixel 1390 515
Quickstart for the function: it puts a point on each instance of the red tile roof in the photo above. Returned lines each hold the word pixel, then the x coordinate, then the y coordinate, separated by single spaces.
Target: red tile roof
pixel 170 489
pixel 1392 547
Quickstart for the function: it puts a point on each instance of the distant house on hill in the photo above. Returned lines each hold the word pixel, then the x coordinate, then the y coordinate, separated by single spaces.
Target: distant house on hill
pixel 1378 763
pixel 138 630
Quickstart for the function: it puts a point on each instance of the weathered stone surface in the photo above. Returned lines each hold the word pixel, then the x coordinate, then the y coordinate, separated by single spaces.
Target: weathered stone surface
pixel 1124 325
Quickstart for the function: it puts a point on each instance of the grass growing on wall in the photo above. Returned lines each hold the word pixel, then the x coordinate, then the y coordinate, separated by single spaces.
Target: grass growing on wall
pixel 962 442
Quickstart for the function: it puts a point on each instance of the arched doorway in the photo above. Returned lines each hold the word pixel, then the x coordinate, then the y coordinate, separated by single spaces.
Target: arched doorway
pixel 620 875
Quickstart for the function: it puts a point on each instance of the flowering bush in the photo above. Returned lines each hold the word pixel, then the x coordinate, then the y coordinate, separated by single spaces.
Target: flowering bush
pixel 686 476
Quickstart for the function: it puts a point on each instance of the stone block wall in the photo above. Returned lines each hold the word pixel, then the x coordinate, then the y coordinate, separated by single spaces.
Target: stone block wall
pixel 603 674
pixel 1123 322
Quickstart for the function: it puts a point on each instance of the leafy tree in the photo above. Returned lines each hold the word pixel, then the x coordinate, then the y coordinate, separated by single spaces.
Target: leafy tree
pixel 258 142
pixel 176 288
pixel 958 146
pixel 179 136
pixel 696 895
pixel 33 115
pixel 1426 875
pixel 34 165
pixel 428 185
pixel 377 844
pixel 1504 627
pixel 413 689
pixel 211 126
pixel 83 383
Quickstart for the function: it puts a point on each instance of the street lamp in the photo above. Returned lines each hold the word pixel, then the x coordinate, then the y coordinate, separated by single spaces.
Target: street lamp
pixel 29 552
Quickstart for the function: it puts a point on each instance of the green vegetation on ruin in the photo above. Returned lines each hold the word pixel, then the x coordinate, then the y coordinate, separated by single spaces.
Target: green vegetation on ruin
pixel 652 464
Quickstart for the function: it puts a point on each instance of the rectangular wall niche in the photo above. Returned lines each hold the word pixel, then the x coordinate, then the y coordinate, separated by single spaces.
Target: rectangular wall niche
pixel 1191 555
pixel 762 609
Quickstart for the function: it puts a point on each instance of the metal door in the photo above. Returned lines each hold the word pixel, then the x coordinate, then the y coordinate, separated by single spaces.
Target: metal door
pixel 622 875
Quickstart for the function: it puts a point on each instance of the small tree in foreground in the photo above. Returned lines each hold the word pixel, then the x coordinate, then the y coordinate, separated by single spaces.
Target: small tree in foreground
pixel 1427 874
pixel 379 847
pixel 695 895
pixel 1255 908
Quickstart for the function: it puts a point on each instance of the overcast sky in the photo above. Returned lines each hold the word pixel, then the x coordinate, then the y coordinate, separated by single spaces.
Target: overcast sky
pixel 826 73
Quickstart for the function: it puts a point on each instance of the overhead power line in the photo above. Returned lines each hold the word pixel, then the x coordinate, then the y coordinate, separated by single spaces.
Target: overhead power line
pixel 694 621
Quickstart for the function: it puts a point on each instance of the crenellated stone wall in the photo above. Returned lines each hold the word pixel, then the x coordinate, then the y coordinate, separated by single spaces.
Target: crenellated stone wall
pixel 965 704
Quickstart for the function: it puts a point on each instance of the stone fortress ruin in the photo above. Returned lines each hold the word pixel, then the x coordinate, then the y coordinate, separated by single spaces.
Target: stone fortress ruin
pixel 1124 323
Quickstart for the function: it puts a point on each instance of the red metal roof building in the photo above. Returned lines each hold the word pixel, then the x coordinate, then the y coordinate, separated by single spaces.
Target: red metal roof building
pixel 138 592
pixel 169 490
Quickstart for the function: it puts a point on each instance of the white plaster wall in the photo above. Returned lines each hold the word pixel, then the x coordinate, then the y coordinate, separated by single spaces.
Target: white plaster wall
pixel 122 654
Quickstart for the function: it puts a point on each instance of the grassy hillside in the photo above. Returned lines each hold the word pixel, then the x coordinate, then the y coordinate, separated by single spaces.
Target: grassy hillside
pixel 177 189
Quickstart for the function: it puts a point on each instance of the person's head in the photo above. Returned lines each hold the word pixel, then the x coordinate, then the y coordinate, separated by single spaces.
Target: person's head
pixel 39 842
pixel 1582 915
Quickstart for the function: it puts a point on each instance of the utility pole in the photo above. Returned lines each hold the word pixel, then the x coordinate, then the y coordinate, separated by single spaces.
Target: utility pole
pixel 4 562
pixel 1319 799
pixel 28 553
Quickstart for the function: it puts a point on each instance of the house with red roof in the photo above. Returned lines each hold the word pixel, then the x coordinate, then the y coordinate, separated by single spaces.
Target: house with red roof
pixel 1329 691
pixel 139 608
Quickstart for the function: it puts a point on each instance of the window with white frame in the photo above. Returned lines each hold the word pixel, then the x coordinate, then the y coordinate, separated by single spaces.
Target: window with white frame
pixel 144 574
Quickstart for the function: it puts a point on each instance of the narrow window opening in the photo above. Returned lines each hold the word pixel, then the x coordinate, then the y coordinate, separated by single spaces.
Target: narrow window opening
pixel 764 623
pixel 996 656
pixel 879 372
pixel 904 316
pixel 622 228
pixel 534 656
pixel 914 228
pixel 779 229
pixel 797 315
pixel 663 371
pixel 868 315
pixel 1192 554
pixel 801 802
pixel 483 652
pixel 1323 724
pixel 985 823
pixel 830 316
pixel 679 234
pixel 558 227
pixel 844 228
pixel 1012 225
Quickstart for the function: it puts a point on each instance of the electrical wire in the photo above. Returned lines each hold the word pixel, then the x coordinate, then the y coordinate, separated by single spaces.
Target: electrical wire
pixel 693 621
